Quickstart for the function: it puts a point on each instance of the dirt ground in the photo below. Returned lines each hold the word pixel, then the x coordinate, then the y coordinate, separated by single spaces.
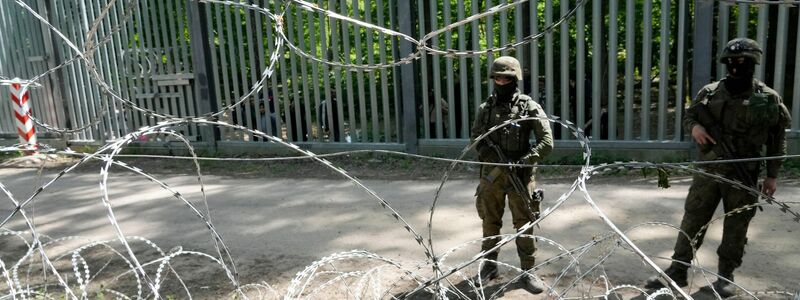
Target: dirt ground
pixel 277 219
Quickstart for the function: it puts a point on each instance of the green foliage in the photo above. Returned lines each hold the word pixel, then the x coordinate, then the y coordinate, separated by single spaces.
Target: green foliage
pixel 791 168
pixel 9 155
pixel 662 173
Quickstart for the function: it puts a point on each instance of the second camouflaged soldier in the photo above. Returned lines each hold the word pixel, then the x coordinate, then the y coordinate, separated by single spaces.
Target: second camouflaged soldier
pixel 514 142
pixel 750 116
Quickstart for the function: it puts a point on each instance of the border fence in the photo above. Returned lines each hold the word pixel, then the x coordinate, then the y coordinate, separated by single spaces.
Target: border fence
pixel 623 70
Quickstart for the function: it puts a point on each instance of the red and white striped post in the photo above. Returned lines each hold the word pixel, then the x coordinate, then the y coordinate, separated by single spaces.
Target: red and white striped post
pixel 22 109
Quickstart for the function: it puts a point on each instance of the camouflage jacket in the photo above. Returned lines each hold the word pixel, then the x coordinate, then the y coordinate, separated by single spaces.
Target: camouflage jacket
pixel 750 121
pixel 514 139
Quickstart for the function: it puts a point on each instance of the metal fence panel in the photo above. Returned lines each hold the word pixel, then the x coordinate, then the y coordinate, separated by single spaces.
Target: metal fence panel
pixel 148 61
pixel 23 55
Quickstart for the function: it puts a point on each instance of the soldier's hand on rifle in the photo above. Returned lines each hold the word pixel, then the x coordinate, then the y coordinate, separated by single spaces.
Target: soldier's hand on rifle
pixel 701 136
pixel 530 159
pixel 770 185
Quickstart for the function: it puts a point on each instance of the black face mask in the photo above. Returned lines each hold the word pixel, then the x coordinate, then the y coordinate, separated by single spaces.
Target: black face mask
pixel 740 75
pixel 504 92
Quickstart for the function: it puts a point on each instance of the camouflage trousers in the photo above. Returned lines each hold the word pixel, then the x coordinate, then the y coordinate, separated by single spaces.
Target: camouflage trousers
pixel 491 194
pixel 701 202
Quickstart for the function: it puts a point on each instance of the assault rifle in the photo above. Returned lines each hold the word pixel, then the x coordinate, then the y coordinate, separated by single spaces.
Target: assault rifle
pixel 723 146
pixel 516 182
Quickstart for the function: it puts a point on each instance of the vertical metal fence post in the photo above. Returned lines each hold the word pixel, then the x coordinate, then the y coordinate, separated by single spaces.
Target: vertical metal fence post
pixel 407 79
pixel 52 59
pixel 701 65
pixel 201 61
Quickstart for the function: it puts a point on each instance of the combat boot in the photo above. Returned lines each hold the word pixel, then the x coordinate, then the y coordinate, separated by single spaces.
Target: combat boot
pixel 488 272
pixel 532 283
pixel 675 273
pixel 725 288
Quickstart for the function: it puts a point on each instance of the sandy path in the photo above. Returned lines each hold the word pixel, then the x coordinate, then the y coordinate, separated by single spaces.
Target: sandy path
pixel 276 227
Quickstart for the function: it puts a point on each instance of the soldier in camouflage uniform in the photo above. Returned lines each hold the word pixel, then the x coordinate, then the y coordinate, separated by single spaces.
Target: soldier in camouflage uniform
pixel 751 117
pixel 507 102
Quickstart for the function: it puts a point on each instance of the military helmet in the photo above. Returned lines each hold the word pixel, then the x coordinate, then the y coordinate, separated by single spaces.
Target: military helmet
pixel 741 47
pixel 506 66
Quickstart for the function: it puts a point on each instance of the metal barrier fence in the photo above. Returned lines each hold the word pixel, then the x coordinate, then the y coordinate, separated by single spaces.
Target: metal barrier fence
pixel 621 69
pixel 23 54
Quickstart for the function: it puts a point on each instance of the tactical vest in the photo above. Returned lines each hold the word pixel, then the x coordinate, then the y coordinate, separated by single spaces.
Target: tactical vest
pixel 513 139
pixel 744 121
